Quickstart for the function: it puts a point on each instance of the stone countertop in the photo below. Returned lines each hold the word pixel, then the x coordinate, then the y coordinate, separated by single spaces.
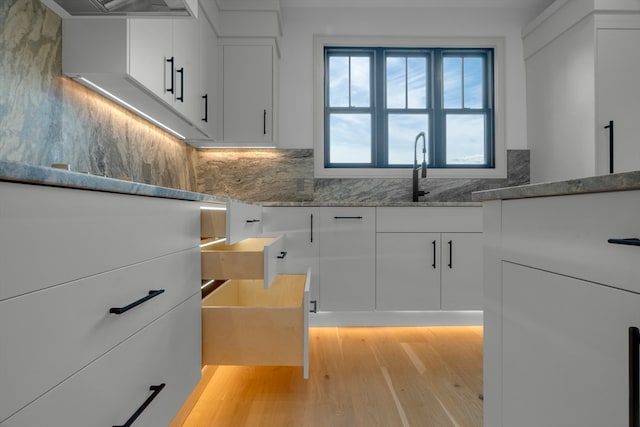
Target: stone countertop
pixel 42 175
pixel 596 184
pixel 370 204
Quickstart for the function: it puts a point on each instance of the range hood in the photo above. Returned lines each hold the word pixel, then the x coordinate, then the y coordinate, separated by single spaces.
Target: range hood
pixel 123 8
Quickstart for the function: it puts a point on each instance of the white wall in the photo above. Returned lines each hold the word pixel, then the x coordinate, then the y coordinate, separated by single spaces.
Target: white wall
pixel 301 23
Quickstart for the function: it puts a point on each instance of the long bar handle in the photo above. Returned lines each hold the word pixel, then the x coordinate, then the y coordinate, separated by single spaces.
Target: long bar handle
pixel 634 376
pixel 156 389
pixel 434 254
pixel 206 107
pixel 181 97
pixel 610 127
pixel 120 310
pixel 631 241
pixel 251 221
pixel 450 254
pixel 171 61
pixel 347 217
pixel 311 230
pixel 264 122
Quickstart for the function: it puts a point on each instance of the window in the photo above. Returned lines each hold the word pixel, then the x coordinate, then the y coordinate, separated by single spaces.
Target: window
pixel 378 99
pixel 375 100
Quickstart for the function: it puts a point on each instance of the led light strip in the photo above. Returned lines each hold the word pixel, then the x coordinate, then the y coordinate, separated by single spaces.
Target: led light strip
pixel 129 107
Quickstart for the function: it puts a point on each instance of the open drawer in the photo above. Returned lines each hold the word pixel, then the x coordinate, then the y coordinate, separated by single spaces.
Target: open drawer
pixel 234 221
pixel 245 324
pixel 253 258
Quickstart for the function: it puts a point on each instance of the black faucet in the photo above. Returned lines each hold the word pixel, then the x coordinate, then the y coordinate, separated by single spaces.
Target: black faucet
pixel 416 192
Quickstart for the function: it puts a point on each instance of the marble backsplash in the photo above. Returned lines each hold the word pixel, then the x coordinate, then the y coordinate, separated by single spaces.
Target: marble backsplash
pixel 46 118
pixel 287 176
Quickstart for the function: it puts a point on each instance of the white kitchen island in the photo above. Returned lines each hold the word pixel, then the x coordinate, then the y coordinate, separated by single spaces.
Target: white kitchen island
pixel 560 299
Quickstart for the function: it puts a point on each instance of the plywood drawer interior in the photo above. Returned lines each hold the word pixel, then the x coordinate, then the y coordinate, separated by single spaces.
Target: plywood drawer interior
pixel 245 324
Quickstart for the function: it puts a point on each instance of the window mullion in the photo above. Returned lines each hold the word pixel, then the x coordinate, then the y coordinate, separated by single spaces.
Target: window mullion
pixel 439 117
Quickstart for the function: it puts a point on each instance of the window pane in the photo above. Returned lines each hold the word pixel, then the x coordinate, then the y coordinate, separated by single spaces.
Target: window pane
pixel 396 82
pixel 360 82
pixel 465 139
pixel 452 82
pixel 473 87
pixel 417 82
pixel 403 129
pixel 350 136
pixel 339 81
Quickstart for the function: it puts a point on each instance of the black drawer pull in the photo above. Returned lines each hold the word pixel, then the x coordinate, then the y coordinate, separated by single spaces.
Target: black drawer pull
pixel 282 255
pixel 634 374
pixel 632 241
pixel 433 244
pixel 120 310
pixel 315 306
pixel 450 254
pixel 172 88
pixel 156 389
pixel 347 217
pixel 251 221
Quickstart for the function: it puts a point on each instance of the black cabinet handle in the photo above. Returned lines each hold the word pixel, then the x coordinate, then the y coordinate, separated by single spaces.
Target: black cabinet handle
pixel 315 306
pixel 610 127
pixel 120 310
pixel 156 389
pixel 181 97
pixel 632 241
pixel 206 108
pixel 264 122
pixel 282 255
pixel 347 217
pixel 434 254
pixel 251 221
pixel 170 61
pixel 311 233
pixel 634 376
pixel 450 254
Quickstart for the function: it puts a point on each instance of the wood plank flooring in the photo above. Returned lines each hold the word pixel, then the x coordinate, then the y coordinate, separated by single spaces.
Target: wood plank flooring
pixel 387 377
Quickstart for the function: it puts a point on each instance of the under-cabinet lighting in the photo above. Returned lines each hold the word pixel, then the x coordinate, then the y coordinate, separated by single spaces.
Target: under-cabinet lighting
pixel 212 243
pixel 130 107
pixel 213 208
pixel 207 284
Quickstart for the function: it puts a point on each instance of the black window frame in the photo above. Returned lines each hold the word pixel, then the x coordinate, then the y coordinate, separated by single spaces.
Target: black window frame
pixel 434 108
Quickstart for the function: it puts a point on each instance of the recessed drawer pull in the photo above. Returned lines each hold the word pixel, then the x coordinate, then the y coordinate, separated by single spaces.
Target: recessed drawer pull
pixel 251 221
pixel 282 255
pixel 120 310
pixel 347 217
pixel 156 389
pixel 632 241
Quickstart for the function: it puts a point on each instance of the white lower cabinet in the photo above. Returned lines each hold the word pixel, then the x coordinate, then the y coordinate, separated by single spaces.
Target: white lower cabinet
pixel 347 259
pixel 565 350
pixel 164 355
pixel 461 271
pixel 408 271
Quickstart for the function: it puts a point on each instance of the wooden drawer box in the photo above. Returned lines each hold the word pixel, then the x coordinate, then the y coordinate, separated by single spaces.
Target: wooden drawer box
pixel 213 222
pixel 245 324
pixel 254 258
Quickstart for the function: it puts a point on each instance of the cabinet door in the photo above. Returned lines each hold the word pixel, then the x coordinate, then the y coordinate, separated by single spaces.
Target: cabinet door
pixel 565 350
pixel 248 93
pixel 186 50
pixel 347 259
pixel 299 226
pixel 208 78
pixel 150 46
pixel 618 98
pixel 462 271
pixel 408 271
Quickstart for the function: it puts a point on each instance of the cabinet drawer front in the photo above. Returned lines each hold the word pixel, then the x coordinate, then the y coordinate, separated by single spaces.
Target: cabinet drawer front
pixel 66 327
pixel 243 221
pixel 110 390
pixel 69 234
pixel 429 219
pixel 569 235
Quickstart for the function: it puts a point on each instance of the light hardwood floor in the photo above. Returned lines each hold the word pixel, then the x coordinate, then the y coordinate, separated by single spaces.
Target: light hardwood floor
pixel 388 377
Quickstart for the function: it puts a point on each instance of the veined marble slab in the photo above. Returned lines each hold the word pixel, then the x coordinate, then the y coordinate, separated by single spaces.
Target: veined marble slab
pixel 596 184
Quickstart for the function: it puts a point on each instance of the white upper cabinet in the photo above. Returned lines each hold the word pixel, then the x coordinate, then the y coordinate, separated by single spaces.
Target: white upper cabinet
pixel 248 92
pixel 150 66
pixel 581 63
pixel 209 67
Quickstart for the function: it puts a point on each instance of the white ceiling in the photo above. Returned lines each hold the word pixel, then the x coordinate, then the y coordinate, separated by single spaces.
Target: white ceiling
pixel 527 4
